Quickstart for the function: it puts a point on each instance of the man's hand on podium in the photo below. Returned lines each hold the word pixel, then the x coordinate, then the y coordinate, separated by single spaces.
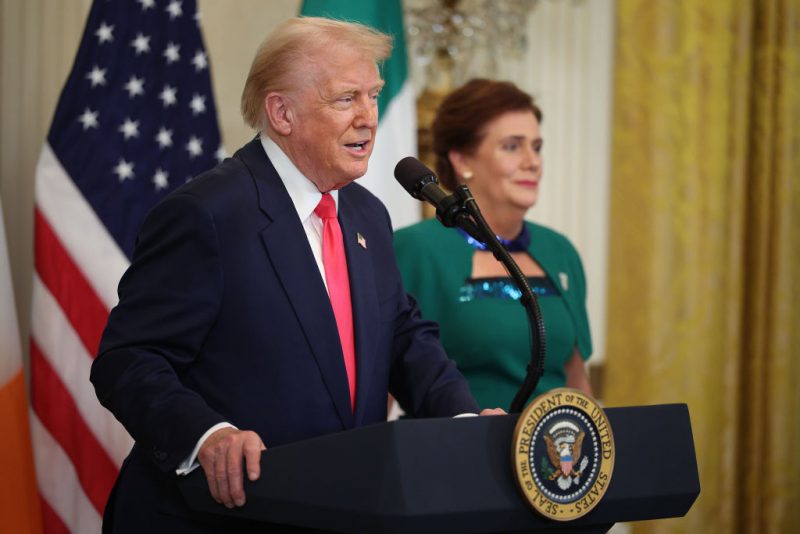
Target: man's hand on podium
pixel 493 411
pixel 221 457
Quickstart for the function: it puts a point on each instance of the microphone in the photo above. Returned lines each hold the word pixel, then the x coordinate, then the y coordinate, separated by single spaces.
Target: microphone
pixel 422 184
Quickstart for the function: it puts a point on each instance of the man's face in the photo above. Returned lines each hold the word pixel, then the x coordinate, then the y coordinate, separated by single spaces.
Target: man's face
pixel 334 118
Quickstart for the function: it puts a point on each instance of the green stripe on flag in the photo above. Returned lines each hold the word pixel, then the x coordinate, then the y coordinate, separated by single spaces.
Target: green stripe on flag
pixel 382 15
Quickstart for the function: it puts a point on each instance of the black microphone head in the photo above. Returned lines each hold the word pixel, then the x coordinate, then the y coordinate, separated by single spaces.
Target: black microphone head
pixel 413 175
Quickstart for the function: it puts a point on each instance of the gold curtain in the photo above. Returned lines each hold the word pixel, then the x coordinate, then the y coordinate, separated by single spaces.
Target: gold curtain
pixel 704 298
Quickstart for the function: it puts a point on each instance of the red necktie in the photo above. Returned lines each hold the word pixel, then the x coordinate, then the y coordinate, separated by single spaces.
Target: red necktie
pixel 333 258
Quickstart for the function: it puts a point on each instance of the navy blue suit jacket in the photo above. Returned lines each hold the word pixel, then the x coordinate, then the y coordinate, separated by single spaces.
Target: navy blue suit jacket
pixel 223 316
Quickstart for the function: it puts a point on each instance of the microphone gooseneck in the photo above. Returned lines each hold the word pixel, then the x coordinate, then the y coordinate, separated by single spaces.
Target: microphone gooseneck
pixel 422 184
pixel 460 209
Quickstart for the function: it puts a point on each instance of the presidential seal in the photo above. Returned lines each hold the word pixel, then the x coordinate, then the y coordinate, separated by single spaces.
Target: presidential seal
pixel 563 454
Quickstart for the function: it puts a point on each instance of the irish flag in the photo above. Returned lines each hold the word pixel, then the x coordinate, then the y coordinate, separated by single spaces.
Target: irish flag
pixel 19 500
pixel 397 127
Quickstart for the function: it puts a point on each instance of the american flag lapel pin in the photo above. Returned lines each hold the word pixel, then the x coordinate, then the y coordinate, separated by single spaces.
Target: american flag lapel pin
pixel 361 240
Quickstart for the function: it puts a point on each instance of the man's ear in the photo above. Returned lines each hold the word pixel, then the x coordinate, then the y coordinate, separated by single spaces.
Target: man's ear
pixel 279 113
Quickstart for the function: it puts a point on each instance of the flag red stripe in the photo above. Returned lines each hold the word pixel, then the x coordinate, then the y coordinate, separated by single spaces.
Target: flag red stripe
pixel 52 523
pixel 78 300
pixel 58 413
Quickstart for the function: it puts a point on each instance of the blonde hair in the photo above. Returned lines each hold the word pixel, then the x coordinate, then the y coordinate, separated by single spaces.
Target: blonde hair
pixel 279 60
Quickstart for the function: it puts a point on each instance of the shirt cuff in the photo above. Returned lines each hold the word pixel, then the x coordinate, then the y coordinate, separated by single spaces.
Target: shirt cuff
pixel 468 414
pixel 191 463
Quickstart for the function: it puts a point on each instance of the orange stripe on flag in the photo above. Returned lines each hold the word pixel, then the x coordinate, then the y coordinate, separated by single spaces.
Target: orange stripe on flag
pixel 19 500
pixel 57 411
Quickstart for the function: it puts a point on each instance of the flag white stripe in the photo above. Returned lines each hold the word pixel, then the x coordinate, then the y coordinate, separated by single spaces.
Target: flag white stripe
pixel 396 138
pixel 400 122
pixel 54 472
pixel 62 348
pixel 78 228
pixel 10 350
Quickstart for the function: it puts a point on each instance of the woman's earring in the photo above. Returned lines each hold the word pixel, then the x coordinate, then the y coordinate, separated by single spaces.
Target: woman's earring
pixel 467 175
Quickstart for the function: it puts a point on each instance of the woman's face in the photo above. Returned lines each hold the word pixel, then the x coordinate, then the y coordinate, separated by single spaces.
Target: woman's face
pixel 507 164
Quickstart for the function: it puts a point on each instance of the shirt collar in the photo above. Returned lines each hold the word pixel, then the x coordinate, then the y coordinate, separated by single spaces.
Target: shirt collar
pixel 304 194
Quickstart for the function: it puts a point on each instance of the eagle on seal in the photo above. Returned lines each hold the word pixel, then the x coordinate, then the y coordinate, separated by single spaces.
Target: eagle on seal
pixel 564 456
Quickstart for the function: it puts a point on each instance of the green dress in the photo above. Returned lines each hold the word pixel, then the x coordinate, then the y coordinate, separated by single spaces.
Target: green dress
pixel 484 328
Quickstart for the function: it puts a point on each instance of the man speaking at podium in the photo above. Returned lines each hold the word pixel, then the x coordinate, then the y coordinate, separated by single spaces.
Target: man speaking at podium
pixel 252 315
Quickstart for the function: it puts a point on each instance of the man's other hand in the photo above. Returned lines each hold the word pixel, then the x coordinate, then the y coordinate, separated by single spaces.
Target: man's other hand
pixel 221 458
pixel 493 411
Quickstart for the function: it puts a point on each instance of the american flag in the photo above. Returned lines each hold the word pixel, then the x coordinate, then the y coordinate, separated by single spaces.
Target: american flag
pixel 135 120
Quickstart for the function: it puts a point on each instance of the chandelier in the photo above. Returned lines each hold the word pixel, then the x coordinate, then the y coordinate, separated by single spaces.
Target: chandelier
pixel 466 36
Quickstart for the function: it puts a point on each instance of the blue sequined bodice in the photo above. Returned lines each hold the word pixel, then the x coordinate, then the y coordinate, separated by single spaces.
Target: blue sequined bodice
pixel 503 288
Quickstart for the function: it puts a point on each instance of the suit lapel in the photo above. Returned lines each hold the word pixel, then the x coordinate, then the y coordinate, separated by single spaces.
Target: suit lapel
pixel 362 294
pixel 287 248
